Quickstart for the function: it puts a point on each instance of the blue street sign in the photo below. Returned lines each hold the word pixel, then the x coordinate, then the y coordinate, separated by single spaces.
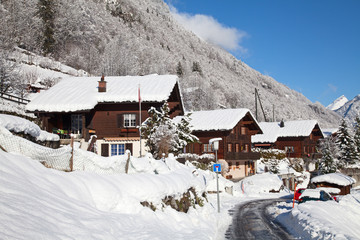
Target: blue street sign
pixel 217 168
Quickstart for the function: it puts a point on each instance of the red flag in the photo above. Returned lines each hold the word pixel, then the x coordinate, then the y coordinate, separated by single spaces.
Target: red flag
pixel 139 94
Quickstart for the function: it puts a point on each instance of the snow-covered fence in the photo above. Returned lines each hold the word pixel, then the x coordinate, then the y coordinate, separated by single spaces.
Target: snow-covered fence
pixel 54 158
pixel 13 98
pixel 83 160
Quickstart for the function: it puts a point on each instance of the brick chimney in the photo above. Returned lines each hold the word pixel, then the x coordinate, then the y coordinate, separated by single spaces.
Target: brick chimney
pixel 282 124
pixel 102 84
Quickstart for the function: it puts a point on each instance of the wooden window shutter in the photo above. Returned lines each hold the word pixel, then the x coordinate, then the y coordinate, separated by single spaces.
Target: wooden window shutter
pixel 120 121
pixel 105 149
pixel 138 121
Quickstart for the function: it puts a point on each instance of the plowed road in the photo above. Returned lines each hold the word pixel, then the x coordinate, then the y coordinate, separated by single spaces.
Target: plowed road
pixel 251 221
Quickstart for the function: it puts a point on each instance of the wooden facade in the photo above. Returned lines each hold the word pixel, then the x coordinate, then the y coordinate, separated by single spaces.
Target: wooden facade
pixel 343 189
pixel 297 146
pixel 235 147
pixel 300 147
pixel 111 122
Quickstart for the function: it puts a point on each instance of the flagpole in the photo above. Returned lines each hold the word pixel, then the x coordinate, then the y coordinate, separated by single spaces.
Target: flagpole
pixel 140 118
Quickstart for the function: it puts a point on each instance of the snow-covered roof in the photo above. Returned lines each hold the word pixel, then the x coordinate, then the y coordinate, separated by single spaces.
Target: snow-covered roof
pixel 81 93
pixel 221 119
pixel 272 130
pixel 334 178
pixel 329 131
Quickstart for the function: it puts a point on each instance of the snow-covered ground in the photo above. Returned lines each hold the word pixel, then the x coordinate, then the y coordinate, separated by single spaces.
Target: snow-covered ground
pixel 43 203
pixel 322 220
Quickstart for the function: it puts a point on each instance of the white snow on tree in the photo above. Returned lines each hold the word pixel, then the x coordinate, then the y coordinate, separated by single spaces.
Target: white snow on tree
pixel 328 162
pixel 163 135
pixel 357 138
pixel 345 144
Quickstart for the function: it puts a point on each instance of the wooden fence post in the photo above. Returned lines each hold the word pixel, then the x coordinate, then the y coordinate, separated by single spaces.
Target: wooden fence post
pixel 127 163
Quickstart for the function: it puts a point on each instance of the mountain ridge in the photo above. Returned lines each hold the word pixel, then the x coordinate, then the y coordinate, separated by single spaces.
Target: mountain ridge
pixel 350 110
pixel 123 37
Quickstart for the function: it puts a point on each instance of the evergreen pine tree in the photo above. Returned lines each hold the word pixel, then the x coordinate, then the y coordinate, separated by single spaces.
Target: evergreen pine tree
pixel 179 70
pixel 327 162
pixel 46 11
pixel 345 145
pixel 163 135
pixel 357 137
pixel 184 131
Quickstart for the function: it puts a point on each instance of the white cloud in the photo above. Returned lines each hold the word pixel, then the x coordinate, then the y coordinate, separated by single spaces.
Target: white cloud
pixel 210 30
pixel 332 88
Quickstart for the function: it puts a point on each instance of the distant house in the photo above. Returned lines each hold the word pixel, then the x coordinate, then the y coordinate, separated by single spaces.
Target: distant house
pixel 235 127
pixel 35 88
pixel 297 138
pixel 334 180
pixel 329 132
pixel 106 107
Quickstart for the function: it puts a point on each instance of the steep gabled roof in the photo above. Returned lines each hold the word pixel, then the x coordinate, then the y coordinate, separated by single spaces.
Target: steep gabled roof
pixel 81 93
pixel 272 130
pixel 217 120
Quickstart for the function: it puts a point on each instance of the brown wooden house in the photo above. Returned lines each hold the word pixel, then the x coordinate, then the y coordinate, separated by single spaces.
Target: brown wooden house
pixel 106 107
pixel 235 127
pixel 297 138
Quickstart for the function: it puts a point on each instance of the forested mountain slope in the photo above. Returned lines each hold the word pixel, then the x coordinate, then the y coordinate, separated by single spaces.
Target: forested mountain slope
pixel 135 37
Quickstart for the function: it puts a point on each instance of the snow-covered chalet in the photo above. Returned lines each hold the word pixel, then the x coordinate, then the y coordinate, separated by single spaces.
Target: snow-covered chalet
pixel 235 127
pixel 107 107
pixel 297 138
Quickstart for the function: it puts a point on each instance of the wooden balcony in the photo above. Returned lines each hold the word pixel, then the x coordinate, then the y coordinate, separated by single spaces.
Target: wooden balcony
pixel 242 156
pixel 242 138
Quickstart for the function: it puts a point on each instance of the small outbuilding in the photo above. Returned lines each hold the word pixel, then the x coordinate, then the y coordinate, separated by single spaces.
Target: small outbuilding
pixel 334 180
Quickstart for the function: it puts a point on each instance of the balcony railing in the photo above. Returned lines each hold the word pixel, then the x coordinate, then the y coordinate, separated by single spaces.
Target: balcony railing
pixel 242 156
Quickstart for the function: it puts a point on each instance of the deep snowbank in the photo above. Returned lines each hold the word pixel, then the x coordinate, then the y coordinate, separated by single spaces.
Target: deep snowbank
pixel 41 203
pixel 323 220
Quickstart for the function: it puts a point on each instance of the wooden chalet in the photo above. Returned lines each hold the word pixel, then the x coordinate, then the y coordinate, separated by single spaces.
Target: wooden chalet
pixel 235 127
pixel 106 107
pixel 297 138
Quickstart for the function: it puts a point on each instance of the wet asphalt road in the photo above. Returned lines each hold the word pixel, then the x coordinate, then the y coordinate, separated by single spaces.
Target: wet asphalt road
pixel 251 221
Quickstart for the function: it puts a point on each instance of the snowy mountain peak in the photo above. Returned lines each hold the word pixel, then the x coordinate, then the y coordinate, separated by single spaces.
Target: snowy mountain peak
pixel 350 110
pixel 338 103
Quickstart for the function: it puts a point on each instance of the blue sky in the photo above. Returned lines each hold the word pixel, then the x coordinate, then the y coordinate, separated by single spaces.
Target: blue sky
pixel 312 46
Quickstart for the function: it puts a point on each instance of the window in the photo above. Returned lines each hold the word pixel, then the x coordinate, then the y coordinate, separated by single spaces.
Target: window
pixel 243 130
pixel 129 120
pixel 76 123
pixel 246 147
pixel 207 147
pixel 229 146
pixel 237 147
pixel 117 149
pixel 289 149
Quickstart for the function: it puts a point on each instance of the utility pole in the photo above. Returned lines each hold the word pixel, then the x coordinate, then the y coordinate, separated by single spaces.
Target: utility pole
pixel 256 116
pixel 215 143
pixel 257 96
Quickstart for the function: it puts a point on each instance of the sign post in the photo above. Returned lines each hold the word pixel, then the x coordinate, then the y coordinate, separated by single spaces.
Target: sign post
pixel 214 142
